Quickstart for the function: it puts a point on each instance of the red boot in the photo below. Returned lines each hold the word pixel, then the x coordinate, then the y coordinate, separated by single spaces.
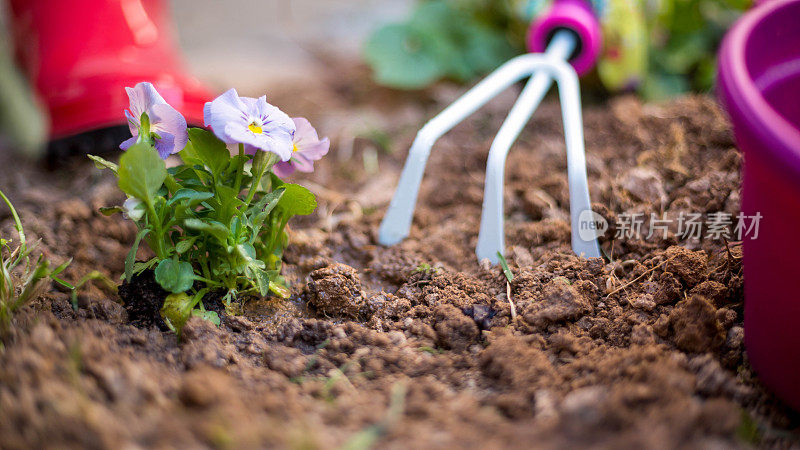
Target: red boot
pixel 80 54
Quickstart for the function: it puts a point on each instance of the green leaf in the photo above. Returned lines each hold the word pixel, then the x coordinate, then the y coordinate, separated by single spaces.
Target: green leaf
pixel 175 276
pixel 181 212
pixel 140 267
pixel 261 280
pixel 101 163
pixel 185 245
pixel 486 49
pixel 111 210
pixel 280 290
pixel 194 197
pixel 191 175
pixel 60 268
pixel 211 227
pixel 296 201
pixel 131 258
pixel 401 57
pixel 270 281
pixel 141 172
pixel 248 254
pixel 209 149
pixel 189 155
pixel 228 202
pixel 504 264
pixel 264 206
pixel 268 201
pixel 210 316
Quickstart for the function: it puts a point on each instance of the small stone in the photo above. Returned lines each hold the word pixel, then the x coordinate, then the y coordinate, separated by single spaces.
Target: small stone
pixel 645 184
pixel 582 406
pixel 735 337
pixel 397 338
pixel 338 333
pixel 643 301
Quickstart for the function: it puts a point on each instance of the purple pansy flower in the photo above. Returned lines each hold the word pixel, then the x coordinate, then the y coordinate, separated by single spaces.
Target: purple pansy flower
pixel 307 148
pixel 252 122
pixel 165 126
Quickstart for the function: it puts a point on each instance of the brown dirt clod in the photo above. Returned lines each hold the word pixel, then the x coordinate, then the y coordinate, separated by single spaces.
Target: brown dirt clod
pixel 336 291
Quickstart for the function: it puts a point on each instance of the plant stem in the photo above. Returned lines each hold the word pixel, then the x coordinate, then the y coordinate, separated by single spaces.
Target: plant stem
pixel 262 169
pixel 238 185
pixel 159 238
pixel 207 281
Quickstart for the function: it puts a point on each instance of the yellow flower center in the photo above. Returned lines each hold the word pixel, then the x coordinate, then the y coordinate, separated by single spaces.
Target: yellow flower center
pixel 254 128
pixel 294 148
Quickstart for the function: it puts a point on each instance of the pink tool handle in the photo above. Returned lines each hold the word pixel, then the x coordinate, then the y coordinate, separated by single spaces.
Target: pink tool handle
pixel 576 16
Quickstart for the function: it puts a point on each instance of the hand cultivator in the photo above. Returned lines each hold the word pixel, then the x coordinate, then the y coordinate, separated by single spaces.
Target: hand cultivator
pixel 569 33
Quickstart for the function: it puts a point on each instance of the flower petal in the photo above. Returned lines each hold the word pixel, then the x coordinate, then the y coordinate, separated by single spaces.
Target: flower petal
pixel 133 122
pixel 283 169
pixel 305 132
pixel 170 121
pixel 142 97
pixel 128 143
pixel 133 209
pixel 314 151
pixel 165 146
pixel 226 109
pixel 230 116
pixel 276 120
pixel 308 143
pixel 280 144
pixel 302 164
pixel 239 134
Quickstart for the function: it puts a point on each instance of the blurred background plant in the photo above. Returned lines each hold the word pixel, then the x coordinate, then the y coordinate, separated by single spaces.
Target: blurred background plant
pixel 659 48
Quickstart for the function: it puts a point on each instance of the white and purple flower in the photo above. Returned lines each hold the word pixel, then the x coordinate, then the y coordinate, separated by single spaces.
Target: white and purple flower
pixel 306 148
pixel 152 120
pixel 252 122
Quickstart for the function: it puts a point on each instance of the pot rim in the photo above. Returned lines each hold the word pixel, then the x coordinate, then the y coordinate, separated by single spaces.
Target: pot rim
pixel 745 103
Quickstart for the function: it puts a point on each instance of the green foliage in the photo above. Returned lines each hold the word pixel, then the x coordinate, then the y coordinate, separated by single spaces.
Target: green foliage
pixel 141 173
pixel 683 38
pixel 748 430
pixel 426 269
pixel 21 274
pixel 662 48
pixel 211 222
pixel 441 40
pixel 178 308
pixel 175 276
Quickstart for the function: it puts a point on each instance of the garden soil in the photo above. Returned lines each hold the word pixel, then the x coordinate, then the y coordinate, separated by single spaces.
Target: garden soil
pixel 418 345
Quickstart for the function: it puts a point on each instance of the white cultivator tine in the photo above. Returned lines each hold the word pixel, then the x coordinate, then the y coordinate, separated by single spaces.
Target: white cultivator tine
pixel 543 68
pixel 491 239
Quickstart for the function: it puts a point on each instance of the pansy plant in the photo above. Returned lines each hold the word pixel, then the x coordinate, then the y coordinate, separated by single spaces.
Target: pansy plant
pixel 217 221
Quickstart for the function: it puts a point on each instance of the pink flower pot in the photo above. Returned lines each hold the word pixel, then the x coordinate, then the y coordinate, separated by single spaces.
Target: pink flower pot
pixel 759 85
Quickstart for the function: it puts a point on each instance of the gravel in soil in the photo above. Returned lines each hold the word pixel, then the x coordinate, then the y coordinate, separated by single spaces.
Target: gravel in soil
pixel 418 345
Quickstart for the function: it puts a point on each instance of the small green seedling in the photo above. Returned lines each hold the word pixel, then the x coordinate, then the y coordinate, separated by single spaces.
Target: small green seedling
pixel 504 265
pixel 20 274
pixel 426 269
pixel 509 278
